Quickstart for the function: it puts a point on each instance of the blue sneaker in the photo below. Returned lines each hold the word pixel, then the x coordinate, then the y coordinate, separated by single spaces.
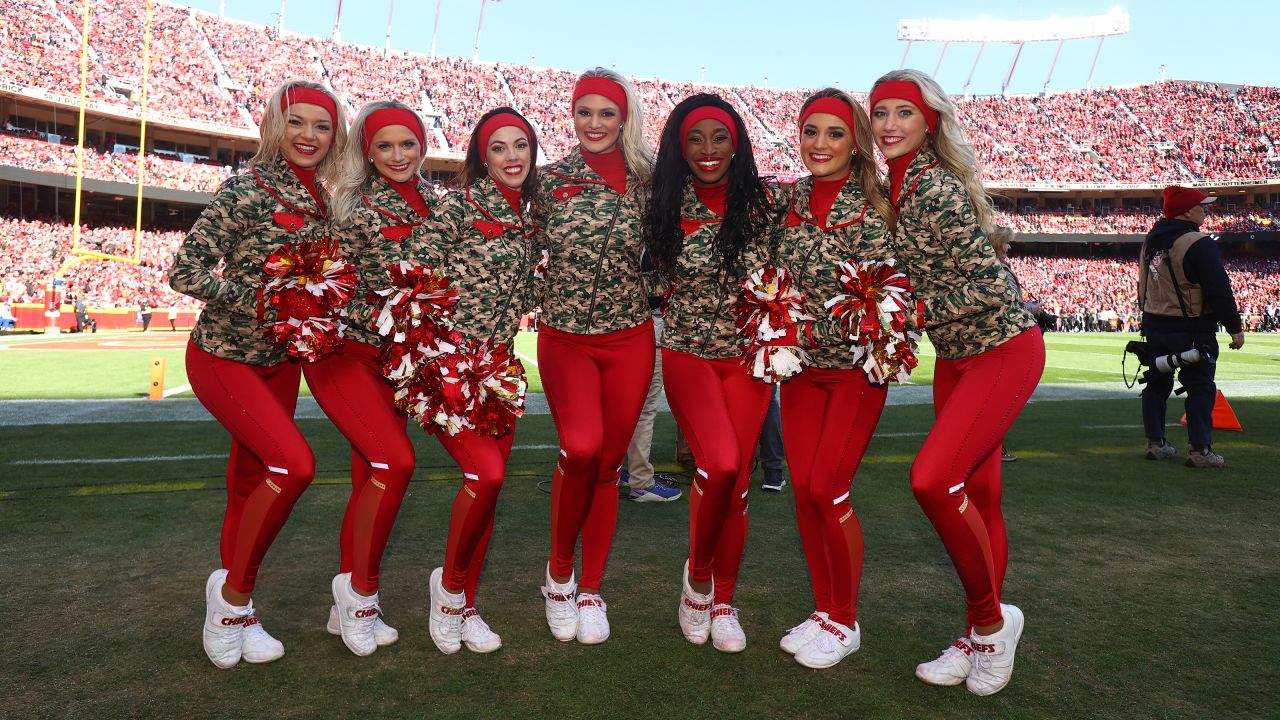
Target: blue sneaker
pixel 657 492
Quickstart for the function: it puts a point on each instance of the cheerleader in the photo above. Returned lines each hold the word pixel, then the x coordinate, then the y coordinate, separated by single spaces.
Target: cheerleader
pixel 378 205
pixel 708 221
pixel 990 358
pixel 830 410
pixel 237 371
pixel 485 231
pixel 595 340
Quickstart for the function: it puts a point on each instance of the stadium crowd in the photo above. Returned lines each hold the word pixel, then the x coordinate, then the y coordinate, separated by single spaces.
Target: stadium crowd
pixel 1245 218
pixel 33 152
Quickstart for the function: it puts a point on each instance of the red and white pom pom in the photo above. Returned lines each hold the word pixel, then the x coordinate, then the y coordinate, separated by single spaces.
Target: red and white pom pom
pixel 416 292
pixel 540 270
pixel 769 311
pixel 872 314
pixel 307 283
pixel 475 385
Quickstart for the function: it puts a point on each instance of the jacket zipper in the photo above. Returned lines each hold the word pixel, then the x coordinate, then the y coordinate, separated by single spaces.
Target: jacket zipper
pixel 595 283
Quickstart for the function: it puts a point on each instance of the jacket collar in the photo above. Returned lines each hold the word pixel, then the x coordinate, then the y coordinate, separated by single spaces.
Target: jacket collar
pixel 277 179
pixel 574 168
pixel 385 200
pixel 922 162
pixel 850 205
pixel 484 197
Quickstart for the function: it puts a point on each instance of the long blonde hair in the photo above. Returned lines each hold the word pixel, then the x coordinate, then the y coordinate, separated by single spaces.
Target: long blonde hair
pixel 355 170
pixel 636 150
pixel 864 159
pixel 274 122
pixel 950 143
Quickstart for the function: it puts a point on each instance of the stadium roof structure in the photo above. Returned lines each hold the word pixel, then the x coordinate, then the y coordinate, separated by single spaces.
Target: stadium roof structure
pixel 1014 32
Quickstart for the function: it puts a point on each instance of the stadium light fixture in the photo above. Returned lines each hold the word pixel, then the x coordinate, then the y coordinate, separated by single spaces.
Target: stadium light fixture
pixel 1014 32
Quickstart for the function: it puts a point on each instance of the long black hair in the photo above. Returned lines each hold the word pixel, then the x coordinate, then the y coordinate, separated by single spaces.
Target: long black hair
pixel 473 167
pixel 747 215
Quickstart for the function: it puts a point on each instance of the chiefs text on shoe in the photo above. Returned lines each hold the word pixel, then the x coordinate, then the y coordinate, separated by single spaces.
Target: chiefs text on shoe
pixel 993 654
pixel 444 621
pixel 801 634
pixel 383 634
pixel 223 623
pixel 476 633
pixel 834 643
pixel 694 612
pixel 561 607
pixel 356 615
pixel 593 620
pixel 951 667
pixel 726 632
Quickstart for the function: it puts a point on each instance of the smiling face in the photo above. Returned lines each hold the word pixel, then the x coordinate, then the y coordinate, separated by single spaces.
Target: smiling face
pixel 826 146
pixel 509 156
pixel 395 152
pixel 308 135
pixel 597 121
pixel 898 127
pixel 708 148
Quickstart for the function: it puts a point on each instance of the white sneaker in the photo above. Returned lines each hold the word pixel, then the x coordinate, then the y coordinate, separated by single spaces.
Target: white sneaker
pixel 800 635
pixel 834 643
pixel 993 654
pixel 726 632
pixel 444 621
pixel 951 667
pixel 593 623
pixel 562 608
pixel 356 615
pixel 223 623
pixel 258 645
pixel 383 634
pixel 476 633
pixel 695 611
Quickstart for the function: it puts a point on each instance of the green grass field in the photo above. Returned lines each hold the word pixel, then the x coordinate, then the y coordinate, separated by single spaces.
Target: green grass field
pixel 1149 588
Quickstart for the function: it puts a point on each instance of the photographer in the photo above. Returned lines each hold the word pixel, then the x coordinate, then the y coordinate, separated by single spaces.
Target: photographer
pixel 1184 292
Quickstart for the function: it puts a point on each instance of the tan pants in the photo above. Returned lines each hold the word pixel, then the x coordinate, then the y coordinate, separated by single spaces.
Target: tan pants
pixel 637 461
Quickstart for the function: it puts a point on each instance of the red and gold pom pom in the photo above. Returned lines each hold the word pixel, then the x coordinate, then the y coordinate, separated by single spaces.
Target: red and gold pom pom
pixel 872 314
pixel 769 311
pixel 415 293
pixel 307 282
pixel 475 386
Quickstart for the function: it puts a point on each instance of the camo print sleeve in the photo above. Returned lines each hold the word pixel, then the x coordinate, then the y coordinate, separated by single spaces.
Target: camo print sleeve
pixel 214 235
pixel 969 304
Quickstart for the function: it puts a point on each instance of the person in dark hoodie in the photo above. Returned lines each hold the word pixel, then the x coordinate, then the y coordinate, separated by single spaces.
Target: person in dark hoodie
pixel 1184 293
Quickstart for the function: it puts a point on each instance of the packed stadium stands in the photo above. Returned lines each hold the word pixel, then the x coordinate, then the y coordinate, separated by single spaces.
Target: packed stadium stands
pixel 214 72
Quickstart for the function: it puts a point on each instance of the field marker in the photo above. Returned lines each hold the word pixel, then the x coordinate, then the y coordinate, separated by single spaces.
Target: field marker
pixel 96 461
pixel 535 447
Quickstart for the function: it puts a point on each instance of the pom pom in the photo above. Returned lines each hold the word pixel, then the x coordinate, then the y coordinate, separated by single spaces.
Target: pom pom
pixel 307 283
pixel 769 310
pixel 872 314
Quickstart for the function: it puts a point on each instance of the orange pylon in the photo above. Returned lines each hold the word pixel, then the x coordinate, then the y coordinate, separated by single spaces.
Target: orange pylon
pixel 1224 418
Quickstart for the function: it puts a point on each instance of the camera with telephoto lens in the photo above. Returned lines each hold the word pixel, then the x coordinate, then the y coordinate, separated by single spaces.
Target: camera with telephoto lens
pixel 1167 363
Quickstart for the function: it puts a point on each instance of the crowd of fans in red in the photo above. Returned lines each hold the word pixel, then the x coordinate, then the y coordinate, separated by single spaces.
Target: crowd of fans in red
pixel 219 70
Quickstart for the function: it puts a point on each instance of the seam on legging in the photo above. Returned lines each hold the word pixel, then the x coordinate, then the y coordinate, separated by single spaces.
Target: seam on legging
pixel 342 395
pixel 240 406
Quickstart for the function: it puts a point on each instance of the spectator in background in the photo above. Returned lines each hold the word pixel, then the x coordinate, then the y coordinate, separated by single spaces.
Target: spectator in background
pixel 1184 292
pixel 643 484
pixel 144 312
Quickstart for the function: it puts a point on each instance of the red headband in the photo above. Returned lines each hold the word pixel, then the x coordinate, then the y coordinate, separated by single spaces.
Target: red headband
pixel 501 120
pixel 609 89
pixel 904 90
pixel 708 112
pixel 302 94
pixel 831 106
pixel 386 117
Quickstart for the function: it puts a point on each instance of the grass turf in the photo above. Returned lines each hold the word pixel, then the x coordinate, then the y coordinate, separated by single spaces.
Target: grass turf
pixel 1148 587
pixel 40 374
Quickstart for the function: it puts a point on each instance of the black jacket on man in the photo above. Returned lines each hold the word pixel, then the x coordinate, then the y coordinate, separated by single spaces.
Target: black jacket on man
pixel 1202 265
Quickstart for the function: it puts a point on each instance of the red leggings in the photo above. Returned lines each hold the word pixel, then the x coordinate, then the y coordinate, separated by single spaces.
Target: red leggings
pixel 956 475
pixel 595 385
pixel 350 388
pixel 828 417
pixel 720 409
pixel 483 460
pixel 270 463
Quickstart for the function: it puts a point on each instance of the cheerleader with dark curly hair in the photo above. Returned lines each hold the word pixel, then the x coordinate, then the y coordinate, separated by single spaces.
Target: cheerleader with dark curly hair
pixel 707 226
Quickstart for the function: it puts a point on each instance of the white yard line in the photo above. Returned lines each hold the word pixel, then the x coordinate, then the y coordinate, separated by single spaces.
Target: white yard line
pixel 137 459
pixel 176 390
pixel 527 359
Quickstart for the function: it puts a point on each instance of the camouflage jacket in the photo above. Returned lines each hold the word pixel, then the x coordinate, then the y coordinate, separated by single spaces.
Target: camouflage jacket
pixel 700 317
pixel 382 231
pixel 489 254
pixel 248 219
pixel 593 280
pixel 812 255
pixel 969 304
